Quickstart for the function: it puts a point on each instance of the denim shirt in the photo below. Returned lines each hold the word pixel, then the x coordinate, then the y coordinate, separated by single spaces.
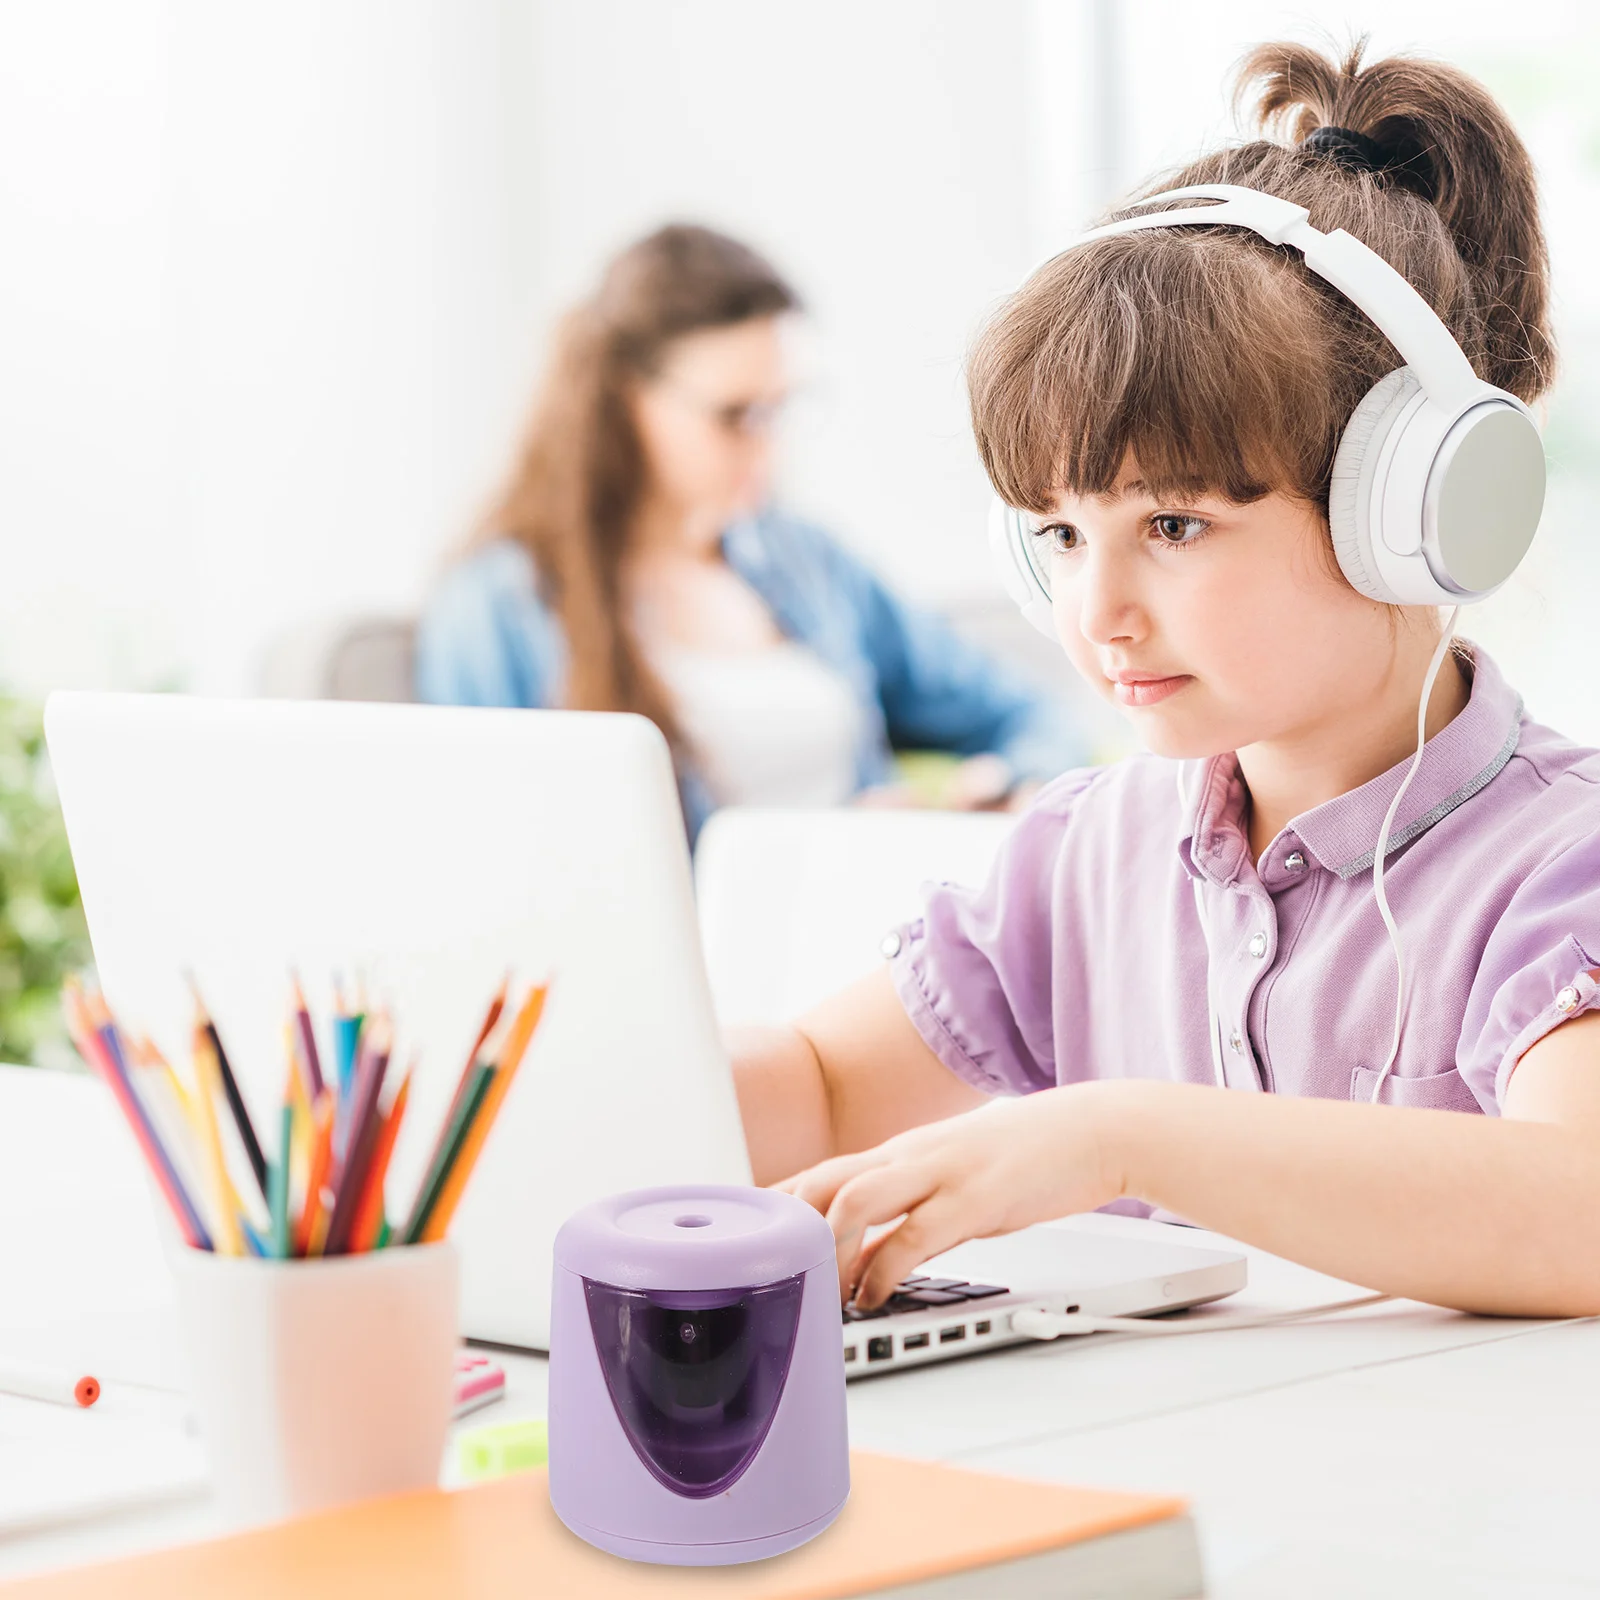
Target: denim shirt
pixel 487 638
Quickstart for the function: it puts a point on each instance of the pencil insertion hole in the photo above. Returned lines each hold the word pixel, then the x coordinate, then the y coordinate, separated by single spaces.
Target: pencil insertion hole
pixel 691 1219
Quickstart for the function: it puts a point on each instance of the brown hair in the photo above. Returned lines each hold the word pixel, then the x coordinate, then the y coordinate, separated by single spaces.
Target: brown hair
pixel 581 471
pixel 1217 359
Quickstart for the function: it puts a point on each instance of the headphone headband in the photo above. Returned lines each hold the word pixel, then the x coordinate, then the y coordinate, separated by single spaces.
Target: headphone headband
pixel 1359 273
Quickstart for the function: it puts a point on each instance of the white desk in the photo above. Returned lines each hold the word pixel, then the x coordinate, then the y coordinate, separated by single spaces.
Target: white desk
pixel 1400 1451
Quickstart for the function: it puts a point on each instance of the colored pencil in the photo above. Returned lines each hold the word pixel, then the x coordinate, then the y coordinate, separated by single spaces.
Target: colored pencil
pixel 375 1034
pixel 346 1051
pixel 230 1089
pixel 279 1199
pixel 312 1212
pixel 491 1017
pixel 230 1241
pixel 171 1117
pixel 295 1094
pixel 325 1192
pixel 428 1195
pixel 516 1046
pixel 370 1217
pixel 363 1124
pixel 458 1099
pixel 145 1054
pixel 308 1042
pixel 105 1058
pixel 172 1107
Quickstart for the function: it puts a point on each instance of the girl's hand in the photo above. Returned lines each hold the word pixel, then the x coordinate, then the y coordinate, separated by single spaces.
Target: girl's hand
pixel 987 783
pixel 988 1171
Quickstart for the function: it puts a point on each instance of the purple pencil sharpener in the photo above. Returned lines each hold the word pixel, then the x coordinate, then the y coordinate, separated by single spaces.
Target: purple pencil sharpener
pixel 697 1411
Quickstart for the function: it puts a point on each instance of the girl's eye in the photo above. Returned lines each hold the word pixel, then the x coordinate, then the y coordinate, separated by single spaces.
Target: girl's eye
pixel 1058 536
pixel 1172 528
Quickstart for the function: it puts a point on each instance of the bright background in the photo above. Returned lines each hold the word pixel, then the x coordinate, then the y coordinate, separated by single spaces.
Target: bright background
pixel 277 278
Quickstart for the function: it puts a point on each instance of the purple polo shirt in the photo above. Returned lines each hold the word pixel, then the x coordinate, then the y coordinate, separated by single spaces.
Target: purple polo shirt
pixel 1083 956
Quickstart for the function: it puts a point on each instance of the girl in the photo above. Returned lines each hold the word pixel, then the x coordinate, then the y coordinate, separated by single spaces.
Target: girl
pixel 632 565
pixel 1167 404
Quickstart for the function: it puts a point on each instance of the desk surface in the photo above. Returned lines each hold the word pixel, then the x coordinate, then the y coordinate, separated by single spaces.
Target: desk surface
pixel 1396 1451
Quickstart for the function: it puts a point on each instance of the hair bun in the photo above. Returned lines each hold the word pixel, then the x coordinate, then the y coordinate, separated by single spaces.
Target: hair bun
pixel 1350 149
pixel 1428 128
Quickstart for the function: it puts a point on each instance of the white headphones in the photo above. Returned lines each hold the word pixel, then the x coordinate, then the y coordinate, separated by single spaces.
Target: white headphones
pixel 1439 478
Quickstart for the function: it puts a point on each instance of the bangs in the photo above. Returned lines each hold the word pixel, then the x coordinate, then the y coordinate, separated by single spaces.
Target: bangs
pixel 1205 356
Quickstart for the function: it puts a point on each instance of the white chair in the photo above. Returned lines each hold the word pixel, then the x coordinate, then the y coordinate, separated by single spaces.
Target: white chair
pixel 795 904
pixel 340 658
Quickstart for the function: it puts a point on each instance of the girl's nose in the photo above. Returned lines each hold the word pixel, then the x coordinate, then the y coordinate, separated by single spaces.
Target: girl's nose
pixel 1104 595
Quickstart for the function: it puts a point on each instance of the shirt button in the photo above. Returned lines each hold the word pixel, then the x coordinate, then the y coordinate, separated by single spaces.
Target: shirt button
pixel 1293 863
pixel 1235 1043
pixel 1567 999
pixel 1258 944
pixel 890 946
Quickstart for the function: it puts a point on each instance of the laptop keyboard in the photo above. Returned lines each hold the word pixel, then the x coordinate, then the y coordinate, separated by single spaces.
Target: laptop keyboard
pixel 925 1294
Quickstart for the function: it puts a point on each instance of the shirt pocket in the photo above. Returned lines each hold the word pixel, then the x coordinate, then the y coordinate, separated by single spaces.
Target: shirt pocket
pixel 1435 1091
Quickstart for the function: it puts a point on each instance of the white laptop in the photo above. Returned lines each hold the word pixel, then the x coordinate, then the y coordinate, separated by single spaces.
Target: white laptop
pixel 429 850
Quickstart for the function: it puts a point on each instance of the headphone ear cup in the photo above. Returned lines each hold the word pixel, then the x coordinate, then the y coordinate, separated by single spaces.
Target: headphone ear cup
pixel 1349 489
pixel 1021 578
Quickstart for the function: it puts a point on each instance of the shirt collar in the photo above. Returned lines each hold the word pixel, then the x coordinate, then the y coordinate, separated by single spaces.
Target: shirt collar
pixel 1214 844
pixel 1341 834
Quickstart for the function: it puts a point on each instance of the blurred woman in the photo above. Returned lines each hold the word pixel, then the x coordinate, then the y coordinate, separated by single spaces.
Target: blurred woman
pixel 633 564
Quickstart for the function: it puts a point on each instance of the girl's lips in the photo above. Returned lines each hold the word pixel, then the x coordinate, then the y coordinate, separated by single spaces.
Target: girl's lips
pixel 1148 691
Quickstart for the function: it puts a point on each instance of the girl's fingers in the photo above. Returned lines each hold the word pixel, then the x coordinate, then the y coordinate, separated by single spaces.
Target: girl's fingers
pixel 879 1194
pixel 818 1185
pixel 928 1229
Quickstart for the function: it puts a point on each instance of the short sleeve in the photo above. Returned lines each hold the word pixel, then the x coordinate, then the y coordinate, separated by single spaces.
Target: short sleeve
pixel 1539 969
pixel 974 971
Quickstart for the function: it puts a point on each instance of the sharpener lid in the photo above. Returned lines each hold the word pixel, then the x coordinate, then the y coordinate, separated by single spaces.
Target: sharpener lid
pixel 694 1237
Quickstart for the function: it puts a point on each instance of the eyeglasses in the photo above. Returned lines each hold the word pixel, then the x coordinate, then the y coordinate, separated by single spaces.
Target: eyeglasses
pixel 745 419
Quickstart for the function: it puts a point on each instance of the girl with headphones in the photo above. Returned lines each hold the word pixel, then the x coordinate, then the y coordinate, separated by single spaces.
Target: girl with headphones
pixel 1317 972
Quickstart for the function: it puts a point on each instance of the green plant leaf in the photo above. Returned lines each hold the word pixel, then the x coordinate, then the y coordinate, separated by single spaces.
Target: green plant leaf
pixel 42 933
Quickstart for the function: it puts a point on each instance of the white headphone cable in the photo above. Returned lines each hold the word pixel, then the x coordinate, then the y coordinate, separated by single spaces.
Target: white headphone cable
pixel 1218 1071
pixel 1382 846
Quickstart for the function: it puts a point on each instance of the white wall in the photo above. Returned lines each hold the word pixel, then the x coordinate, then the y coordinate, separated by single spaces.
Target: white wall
pixel 88 565
pixel 341 262
pixel 260 328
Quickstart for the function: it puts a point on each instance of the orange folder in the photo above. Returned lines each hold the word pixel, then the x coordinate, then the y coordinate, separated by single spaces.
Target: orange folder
pixel 906 1523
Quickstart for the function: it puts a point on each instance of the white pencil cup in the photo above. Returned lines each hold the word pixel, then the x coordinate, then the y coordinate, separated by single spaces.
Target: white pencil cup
pixel 323 1381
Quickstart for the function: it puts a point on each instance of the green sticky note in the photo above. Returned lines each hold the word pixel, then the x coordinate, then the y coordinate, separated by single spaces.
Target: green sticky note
pixel 504 1448
pixel 928 774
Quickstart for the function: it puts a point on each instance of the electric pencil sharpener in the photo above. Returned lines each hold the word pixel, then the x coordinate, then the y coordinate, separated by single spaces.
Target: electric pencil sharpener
pixel 697 1410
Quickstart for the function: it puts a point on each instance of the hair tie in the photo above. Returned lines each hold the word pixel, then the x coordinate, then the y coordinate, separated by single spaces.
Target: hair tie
pixel 1353 151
